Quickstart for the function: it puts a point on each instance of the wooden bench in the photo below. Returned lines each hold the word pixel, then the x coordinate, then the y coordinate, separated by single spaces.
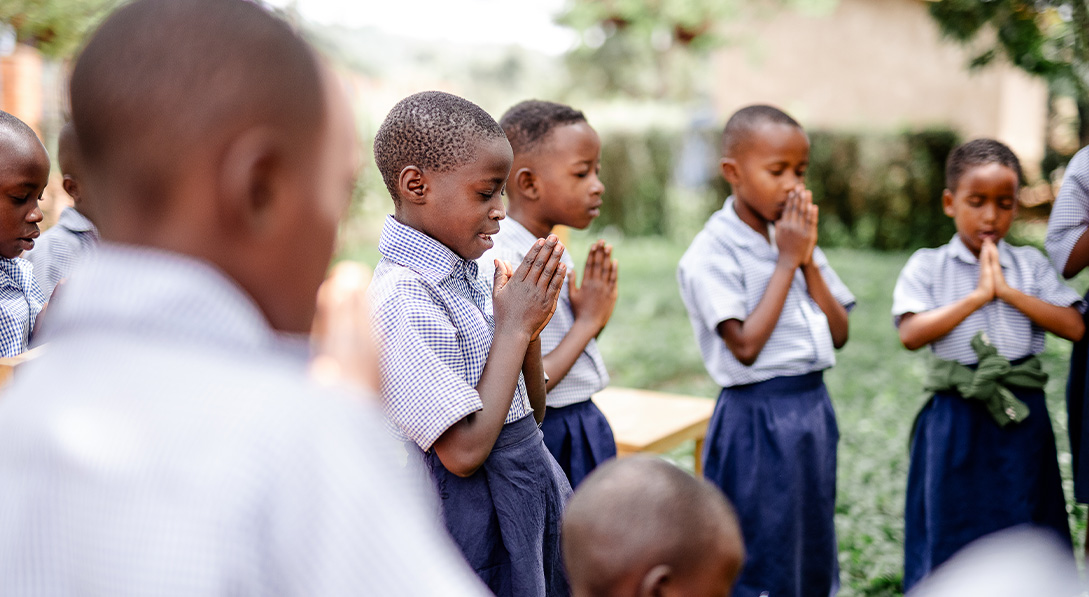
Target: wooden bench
pixel 647 421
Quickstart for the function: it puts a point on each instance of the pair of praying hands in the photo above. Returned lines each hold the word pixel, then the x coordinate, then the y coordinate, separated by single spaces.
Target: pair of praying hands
pixel 595 299
pixel 796 229
pixel 992 284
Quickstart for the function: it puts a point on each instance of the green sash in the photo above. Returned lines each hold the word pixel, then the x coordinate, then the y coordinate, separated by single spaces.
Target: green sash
pixel 991 381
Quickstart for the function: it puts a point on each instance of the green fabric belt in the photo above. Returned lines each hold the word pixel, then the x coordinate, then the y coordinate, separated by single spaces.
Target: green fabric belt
pixel 991 381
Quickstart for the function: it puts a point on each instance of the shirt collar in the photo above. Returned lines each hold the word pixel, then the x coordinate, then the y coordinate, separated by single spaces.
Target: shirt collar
pixel 75 221
pixel 960 251
pixel 741 234
pixel 19 272
pixel 517 233
pixel 434 261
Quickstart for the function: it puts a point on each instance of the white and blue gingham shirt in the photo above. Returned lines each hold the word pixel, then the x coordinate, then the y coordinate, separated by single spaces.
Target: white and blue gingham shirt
pixel 723 275
pixel 1070 215
pixel 936 277
pixel 21 301
pixel 169 443
pixel 588 375
pixel 433 313
pixel 61 248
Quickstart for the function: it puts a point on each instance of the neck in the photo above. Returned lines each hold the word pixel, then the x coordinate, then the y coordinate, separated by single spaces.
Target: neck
pixel 537 225
pixel 750 217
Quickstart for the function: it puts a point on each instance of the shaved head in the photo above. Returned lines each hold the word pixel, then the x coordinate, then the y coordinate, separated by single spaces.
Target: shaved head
pixel 161 80
pixel 636 514
pixel 746 121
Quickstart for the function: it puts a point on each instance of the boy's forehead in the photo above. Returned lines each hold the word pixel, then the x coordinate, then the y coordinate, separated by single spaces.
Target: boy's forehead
pixel 20 150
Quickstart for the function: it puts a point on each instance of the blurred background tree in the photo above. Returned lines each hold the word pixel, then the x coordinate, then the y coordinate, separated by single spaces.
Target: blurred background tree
pixel 54 27
pixel 1047 38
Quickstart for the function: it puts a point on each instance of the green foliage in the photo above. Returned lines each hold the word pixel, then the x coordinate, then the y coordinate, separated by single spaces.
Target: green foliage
pixel 875 190
pixel 55 27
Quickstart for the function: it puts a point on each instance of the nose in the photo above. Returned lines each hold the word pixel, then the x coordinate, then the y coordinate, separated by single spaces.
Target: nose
pixel 988 211
pixel 497 212
pixel 35 215
pixel 598 187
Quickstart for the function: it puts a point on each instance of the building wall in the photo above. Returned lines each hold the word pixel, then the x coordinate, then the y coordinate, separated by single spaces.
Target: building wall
pixel 877 65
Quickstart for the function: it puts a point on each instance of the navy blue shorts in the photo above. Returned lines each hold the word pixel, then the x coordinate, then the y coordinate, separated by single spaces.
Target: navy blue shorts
pixel 969 477
pixel 1077 394
pixel 579 437
pixel 505 517
pixel 771 447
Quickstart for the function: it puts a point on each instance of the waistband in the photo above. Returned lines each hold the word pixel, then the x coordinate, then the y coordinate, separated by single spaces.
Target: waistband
pixel 781 385
pixel 512 433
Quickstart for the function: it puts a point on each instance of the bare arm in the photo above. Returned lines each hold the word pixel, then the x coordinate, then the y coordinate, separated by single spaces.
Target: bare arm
pixel 523 302
pixel 746 339
pixel 534 372
pixel 919 329
pixel 592 303
pixel 838 324
pixel 1079 257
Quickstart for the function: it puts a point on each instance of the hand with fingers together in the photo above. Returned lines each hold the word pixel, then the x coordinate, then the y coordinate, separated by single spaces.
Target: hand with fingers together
pixel 595 299
pixel 796 229
pixel 525 298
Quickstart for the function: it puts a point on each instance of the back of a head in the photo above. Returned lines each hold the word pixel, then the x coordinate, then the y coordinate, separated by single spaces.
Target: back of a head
pixel 978 152
pixel 747 120
pixel 432 130
pixel 527 124
pixel 68 151
pixel 638 522
pixel 161 82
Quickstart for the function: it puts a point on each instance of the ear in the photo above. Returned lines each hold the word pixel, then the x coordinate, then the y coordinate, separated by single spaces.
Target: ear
pixel 71 186
pixel 251 173
pixel 947 202
pixel 411 185
pixel 525 182
pixel 655 581
pixel 730 170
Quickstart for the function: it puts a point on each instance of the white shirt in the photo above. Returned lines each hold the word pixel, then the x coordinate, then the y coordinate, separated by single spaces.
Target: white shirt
pixel 1070 215
pixel 169 443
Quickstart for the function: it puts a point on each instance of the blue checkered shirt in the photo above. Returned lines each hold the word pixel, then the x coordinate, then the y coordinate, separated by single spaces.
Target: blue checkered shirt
pixel 936 277
pixel 433 313
pixel 60 249
pixel 21 300
pixel 170 443
pixel 1070 215
pixel 588 375
pixel 723 275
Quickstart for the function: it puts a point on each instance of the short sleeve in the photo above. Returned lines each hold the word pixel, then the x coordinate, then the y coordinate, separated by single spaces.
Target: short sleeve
pixel 713 287
pixel 912 292
pixel 1069 218
pixel 14 321
pixel 839 290
pixel 1050 287
pixel 423 393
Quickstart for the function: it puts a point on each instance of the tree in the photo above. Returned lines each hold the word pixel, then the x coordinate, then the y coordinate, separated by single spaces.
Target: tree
pixel 54 27
pixel 1046 38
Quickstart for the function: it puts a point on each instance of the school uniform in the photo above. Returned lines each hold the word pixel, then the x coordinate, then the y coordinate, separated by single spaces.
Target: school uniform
pixel 575 430
pixel 61 248
pixel 972 472
pixel 1068 222
pixel 771 442
pixel 171 443
pixel 21 301
pixel 433 312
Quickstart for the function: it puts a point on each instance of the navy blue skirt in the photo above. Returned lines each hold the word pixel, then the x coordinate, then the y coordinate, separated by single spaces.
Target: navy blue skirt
pixel 1078 415
pixel 969 477
pixel 505 517
pixel 579 437
pixel 771 447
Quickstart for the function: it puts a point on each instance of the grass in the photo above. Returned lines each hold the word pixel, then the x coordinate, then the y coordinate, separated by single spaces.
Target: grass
pixel 875 387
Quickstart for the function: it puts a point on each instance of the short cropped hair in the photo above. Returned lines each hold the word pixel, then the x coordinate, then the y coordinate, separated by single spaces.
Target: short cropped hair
pixel 10 124
pixel 162 80
pixel 978 152
pixel 431 130
pixel 635 513
pixel 746 120
pixel 528 123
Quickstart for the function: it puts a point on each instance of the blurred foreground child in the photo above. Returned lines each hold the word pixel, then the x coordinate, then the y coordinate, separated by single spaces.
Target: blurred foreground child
pixel 768 312
pixel 61 248
pixel 982 451
pixel 24 172
pixel 465 387
pixel 554 182
pixel 641 527
pixel 170 442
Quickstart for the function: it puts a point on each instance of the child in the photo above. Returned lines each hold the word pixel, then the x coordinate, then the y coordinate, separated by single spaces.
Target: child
pixel 452 373
pixel 980 460
pixel 62 247
pixel 170 442
pixel 641 526
pixel 1068 246
pixel 768 311
pixel 554 182
pixel 24 172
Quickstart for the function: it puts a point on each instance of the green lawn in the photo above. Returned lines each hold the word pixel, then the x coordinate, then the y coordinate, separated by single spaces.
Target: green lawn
pixel 876 389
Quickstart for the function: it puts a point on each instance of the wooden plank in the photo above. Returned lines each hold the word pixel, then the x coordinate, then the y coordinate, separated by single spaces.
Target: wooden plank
pixel 648 421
